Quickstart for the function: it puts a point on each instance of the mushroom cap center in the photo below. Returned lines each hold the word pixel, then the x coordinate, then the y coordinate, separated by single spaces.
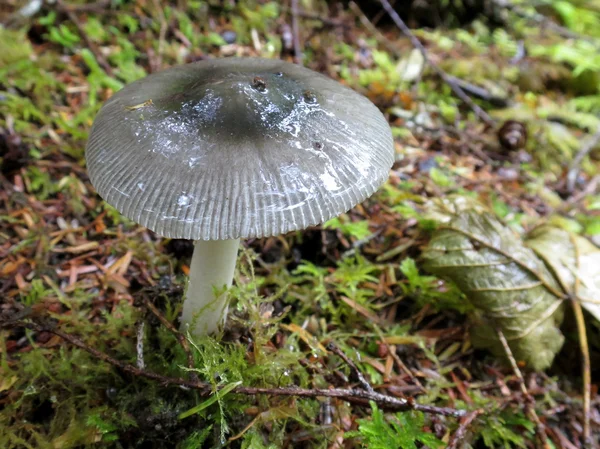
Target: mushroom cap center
pixel 240 147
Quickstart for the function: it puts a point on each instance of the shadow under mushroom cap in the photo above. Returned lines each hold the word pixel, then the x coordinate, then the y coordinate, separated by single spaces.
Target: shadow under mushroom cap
pixel 237 148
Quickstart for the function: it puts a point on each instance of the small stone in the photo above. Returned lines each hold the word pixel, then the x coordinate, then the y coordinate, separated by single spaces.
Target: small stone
pixel 229 36
pixel 426 165
pixel 523 157
pixel 508 173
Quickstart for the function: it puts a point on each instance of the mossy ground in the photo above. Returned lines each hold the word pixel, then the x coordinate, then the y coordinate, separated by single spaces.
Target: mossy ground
pixel 72 261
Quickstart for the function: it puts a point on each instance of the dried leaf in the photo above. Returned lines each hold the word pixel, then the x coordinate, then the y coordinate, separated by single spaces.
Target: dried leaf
pixel 575 262
pixel 509 286
pixel 281 412
pixel 6 383
pixel 305 336
pixel 411 67
pixel 444 209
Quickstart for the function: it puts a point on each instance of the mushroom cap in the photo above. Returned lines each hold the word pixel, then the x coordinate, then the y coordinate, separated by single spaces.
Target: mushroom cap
pixel 237 148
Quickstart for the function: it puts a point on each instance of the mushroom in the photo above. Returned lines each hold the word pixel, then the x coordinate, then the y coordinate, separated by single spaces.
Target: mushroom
pixel 222 150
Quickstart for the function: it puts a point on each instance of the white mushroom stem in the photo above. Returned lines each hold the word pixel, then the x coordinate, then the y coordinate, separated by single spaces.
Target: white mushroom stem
pixel 211 272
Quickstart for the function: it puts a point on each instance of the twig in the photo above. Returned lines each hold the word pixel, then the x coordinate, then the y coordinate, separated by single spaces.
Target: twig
pixel 480 92
pixel 540 429
pixel 312 16
pixel 90 43
pixel 463 426
pixel 586 368
pixel 561 439
pixel 377 17
pixel 392 351
pixel 298 57
pixel 96 7
pixel 543 20
pixel 460 93
pixel 585 355
pixel 140 346
pixel 356 396
pixel 586 147
pixel 573 201
pixel 406 369
pixel 360 243
pixel 161 34
pixel 520 53
pixel 98 354
pixel 469 88
pixel 364 20
pixel 359 375
pixel 180 337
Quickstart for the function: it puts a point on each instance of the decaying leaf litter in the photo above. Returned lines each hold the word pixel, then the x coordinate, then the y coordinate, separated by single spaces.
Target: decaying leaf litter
pixel 354 328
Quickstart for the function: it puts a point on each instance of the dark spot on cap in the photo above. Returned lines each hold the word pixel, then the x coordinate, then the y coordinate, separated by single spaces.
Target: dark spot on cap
pixel 317 145
pixel 309 96
pixel 259 84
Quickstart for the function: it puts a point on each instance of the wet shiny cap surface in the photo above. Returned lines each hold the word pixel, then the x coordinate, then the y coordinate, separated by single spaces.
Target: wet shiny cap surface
pixel 237 148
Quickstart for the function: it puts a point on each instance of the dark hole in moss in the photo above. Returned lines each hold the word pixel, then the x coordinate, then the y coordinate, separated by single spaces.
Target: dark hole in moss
pixel 180 248
pixel 321 247
pixel 42 412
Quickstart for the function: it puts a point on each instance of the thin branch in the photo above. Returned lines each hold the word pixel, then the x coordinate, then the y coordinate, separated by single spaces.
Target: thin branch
pixel 97 7
pixel 298 57
pixel 463 426
pixel 392 351
pixel 180 337
pixel 140 345
pixel 313 16
pixel 359 375
pixel 585 353
pixel 542 20
pixel 574 200
pixel 586 147
pixel 471 89
pixel 480 92
pixel 364 20
pixel 356 396
pixel 161 34
pixel 530 401
pixel 460 93
pixel 586 368
pixel 88 42
pixel 360 243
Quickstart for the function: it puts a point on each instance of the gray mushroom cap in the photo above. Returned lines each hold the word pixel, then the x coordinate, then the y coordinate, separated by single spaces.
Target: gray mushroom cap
pixel 237 148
